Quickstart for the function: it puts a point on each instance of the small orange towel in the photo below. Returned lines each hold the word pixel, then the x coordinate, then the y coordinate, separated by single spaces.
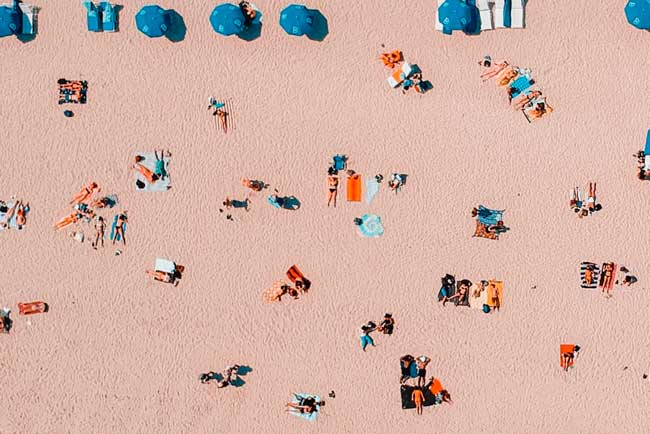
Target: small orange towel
pixel 294 274
pixel 32 308
pixel 353 190
pixel 495 293
pixel 566 348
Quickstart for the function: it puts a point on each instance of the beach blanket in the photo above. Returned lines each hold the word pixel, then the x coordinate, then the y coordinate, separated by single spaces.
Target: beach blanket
pixel 113 234
pixel 149 161
pixel 595 275
pixel 489 216
pixel 372 188
pixel 72 91
pixel 566 348
pixel 482 232
pixel 371 226
pixel 353 190
pixel 307 416
pixel 406 393
pixel 601 282
pixel 12 221
pixel 478 302
pixel 495 294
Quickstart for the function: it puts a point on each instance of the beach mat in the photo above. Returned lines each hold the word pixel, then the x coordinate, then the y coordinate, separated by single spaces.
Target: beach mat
pixel 594 280
pixel 407 403
pixel 566 348
pixel 482 232
pixel 113 225
pixel 307 416
pixel 12 222
pixel 372 188
pixel 149 162
pixel 495 289
pixel 353 190
pixel 601 281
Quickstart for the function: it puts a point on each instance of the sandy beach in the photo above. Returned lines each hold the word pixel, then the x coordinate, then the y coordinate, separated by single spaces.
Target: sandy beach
pixel 120 353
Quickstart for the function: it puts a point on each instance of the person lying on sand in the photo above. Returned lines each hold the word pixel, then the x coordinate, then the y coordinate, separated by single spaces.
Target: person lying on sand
pixel 68 220
pixel 608 271
pixel 122 219
pixel 461 296
pixel 253 185
pixel 162 276
pixel 507 75
pixel 249 12
pixel 519 102
pixel 494 70
pixel 229 376
pixel 591 199
pixel 86 193
pixel 160 171
pixel 149 175
pixel 307 405
pixel 589 274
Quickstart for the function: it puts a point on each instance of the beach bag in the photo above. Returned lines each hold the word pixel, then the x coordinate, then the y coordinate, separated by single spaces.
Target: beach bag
pixel 486 308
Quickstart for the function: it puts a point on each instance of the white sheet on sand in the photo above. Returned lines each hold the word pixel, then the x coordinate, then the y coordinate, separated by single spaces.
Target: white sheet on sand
pixel 372 188
pixel 150 163
pixel 478 302
pixel 165 265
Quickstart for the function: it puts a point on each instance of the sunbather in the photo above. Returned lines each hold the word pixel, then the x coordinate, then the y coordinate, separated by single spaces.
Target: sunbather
pixel 253 185
pixel 507 75
pixel 67 221
pixel 519 102
pixel 396 182
pixel 387 324
pixel 461 295
pixel 591 199
pixel 102 203
pixel 20 214
pixel 567 358
pixel 307 405
pixel 589 274
pixel 160 171
pixel 494 70
pixel 391 59
pixel 608 272
pixel 575 203
pixel 405 365
pixel 418 398
pixel 86 193
pixel 119 227
pixel 223 118
pixel 161 276
pixel 149 175
pixel 537 108
pixel 100 228
pixel 332 186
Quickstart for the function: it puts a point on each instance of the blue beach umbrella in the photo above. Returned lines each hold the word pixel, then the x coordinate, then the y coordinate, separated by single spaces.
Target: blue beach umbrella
pixel 153 21
pixel 227 19
pixel 297 20
pixel 637 13
pixel 10 21
pixel 454 15
pixel 371 226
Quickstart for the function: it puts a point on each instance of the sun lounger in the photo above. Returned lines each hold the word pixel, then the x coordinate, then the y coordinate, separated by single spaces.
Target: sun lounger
pixel 502 18
pixel 29 17
pixel 109 17
pixel 353 188
pixel 400 74
pixel 93 18
pixel 438 24
pixel 595 271
pixel 149 161
pixel 485 14
pixel 32 308
pixel 307 416
pixel 517 14
pixel 495 294
pixel 566 348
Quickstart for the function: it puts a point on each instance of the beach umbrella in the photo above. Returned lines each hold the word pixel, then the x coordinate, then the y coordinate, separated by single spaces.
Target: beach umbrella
pixel 297 20
pixel 10 21
pixel 153 21
pixel 638 13
pixel 371 226
pixel 454 15
pixel 227 19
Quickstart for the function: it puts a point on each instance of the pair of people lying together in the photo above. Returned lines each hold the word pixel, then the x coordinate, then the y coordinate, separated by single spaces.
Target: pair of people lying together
pixel 228 376
pixel 304 404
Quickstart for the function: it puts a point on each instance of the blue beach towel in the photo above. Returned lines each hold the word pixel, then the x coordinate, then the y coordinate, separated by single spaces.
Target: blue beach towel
pixel 339 162
pixel 93 18
pixel 489 216
pixel 109 17
pixel 520 84
pixel 307 416
pixel 113 225
pixel 647 144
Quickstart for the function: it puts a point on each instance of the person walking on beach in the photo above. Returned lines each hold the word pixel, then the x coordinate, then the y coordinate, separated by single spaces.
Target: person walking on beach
pixel 332 186
pixel 119 227
pixel 417 397
pixel 366 340
pixel 100 228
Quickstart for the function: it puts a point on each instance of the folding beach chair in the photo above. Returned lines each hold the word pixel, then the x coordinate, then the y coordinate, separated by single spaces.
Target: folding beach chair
pixel 109 17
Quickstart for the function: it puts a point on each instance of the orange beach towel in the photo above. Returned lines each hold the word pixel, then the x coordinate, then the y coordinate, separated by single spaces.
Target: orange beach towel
pixel 294 274
pixel 566 348
pixel 495 293
pixel 354 188
pixel 32 308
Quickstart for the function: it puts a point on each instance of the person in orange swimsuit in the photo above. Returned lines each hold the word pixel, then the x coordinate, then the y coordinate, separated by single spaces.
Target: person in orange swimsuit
pixel 20 214
pixel 144 171
pixel 67 221
pixel 507 75
pixel 418 398
pixel 589 275
pixel 332 186
pixel 85 193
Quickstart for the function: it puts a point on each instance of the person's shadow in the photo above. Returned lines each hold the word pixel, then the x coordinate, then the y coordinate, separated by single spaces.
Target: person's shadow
pixel 241 372
pixel 319 28
pixel 177 28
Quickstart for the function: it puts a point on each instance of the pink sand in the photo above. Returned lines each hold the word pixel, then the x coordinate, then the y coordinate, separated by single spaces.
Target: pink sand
pixel 118 353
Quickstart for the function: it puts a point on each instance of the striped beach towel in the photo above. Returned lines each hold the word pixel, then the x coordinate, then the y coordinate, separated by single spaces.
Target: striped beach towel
pixel 595 270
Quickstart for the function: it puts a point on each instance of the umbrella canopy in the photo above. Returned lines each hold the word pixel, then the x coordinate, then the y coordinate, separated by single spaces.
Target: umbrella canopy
pixel 454 15
pixel 638 13
pixel 10 21
pixel 227 19
pixel 153 21
pixel 297 20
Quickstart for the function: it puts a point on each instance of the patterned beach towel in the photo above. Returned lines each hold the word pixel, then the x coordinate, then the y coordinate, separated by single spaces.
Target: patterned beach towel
pixel 592 282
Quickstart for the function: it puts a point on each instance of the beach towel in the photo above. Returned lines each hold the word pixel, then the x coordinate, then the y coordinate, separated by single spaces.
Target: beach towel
pixel 489 216
pixel 519 85
pixel 647 144
pixel 149 161
pixel 109 17
pixel 566 348
pixel 12 221
pixel 495 294
pixel 595 272
pixel 436 387
pixel 72 91
pixel 293 274
pixel 478 302
pixel 371 226
pixel 601 282
pixel 406 393
pixel 113 234
pixel 353 190
pixel 372 188
pixel 32 308
pixel 307 416
pixel 482 232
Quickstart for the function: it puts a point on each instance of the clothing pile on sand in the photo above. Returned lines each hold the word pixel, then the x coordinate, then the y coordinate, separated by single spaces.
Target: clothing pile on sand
pixel 522 93
pixel 403 74
pixel 486 295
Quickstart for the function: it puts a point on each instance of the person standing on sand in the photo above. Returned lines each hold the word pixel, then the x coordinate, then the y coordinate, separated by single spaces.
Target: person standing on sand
pixel 332 185
pixel 422 363
pixel 417 397
pixel 366 340
pixel 100 228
